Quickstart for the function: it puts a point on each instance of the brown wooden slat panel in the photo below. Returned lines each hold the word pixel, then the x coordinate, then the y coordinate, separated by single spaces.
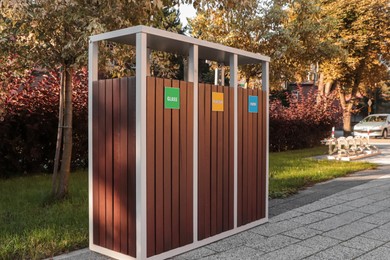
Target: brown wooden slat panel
pixel 131 168
pixel 207 161
pixel 258 156
pixel 251 148
pixel 109 165
pixel 201 161
pixel 95 174
pixel 240 159
pixel 214 169
pixel 264 153
pixel 219 161
pixel 190 162
pixel 159 166
pixel 231 158
pixel 183 165
pixel 102 164
pixel 116 164
pixel 150 165
pixel 175 159
pixel 167 175
pixel 245 153
pixel 225 154
pixel 255 204
pixel 254 162
pixel 123 170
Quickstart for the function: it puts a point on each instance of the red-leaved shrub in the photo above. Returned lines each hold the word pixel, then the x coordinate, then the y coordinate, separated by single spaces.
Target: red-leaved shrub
pixel 29 121
pixel 303 122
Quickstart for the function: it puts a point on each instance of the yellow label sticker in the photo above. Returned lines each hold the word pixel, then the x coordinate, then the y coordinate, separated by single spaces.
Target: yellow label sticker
pixel 217 101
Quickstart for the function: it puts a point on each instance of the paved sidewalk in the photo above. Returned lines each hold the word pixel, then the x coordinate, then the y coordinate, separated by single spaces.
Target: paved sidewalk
pixel 350 224
pixel 345 218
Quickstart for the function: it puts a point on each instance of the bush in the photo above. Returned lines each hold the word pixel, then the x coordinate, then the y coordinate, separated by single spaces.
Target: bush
pixel 29 120
pixel 303 122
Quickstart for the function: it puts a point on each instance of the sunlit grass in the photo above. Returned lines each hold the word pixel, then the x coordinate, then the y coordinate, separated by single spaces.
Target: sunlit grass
pixel 33 228
pixel 293 170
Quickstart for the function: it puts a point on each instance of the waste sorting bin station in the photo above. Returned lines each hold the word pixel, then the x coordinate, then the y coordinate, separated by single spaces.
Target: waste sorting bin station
pixel 174 165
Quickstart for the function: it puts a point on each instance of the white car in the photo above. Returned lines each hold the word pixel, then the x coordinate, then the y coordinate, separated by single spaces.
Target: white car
pixel 376 125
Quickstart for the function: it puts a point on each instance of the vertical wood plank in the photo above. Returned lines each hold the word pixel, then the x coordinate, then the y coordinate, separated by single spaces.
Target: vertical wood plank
pixel 109 165
pixel 219 162
pixel 264 154
pixel 102 163
pixel 240 160
pixel 131 167
pixel 183 164
pixel 150 152
pixel 245 157
pixel 96 170
pixel 190 161
pixel 175 159
pixel 117 154
pixel 159 165
pixel 231 158
pixel 214 169
pixel 201 161
pixel 259 154
pixel 207 160
pixel 254 161
pixel 167 175
pixel 225 151
pixel 124 163
pixel 249 160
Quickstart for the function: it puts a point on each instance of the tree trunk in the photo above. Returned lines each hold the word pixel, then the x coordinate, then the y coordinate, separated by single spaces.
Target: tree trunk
pixel 328 87
pixel 321 85
pixel 63 178
pixel 347 111
pixel 55 181
pixel 347 122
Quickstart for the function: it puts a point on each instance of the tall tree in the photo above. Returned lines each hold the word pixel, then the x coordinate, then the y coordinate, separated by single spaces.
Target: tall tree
pixel 287 31
pixel 361 32
pixel 54 34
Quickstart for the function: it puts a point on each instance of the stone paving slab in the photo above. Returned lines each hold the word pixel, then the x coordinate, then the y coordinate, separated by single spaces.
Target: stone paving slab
pixel 312 217
pixel 291 252
pixel 319 243
pixel 376 254
pixel 350 231
pixel 338 221
pixel 362 243
pixel 302 233
pixel 337 253
pixel 235 241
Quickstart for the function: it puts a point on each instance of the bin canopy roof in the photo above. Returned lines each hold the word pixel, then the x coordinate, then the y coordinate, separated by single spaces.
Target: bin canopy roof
pixel 161 40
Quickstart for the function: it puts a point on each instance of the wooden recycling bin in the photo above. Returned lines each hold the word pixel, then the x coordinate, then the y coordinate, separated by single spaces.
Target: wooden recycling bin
pixel 174 165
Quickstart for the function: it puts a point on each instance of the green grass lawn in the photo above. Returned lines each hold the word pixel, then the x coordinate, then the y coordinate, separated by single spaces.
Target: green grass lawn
pixel 293 170
pixel 30 228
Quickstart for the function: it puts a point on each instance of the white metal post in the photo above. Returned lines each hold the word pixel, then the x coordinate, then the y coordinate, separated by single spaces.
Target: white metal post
pixel 265 85
pixel 193 77
pixel 234 83
pixel 141 67
pixel 216 76
pixel 93 53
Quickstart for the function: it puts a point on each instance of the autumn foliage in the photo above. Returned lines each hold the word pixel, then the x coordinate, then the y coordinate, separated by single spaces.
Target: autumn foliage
pixel 29 121
pixel 303 122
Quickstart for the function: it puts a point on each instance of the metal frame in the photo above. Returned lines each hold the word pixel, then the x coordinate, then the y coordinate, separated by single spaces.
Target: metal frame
pixel 145 38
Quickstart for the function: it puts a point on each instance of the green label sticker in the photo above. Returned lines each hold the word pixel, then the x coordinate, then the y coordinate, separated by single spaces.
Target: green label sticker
pixel 172 98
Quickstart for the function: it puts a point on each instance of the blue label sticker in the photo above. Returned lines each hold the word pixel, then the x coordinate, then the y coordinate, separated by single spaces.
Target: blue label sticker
pixel 253 102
